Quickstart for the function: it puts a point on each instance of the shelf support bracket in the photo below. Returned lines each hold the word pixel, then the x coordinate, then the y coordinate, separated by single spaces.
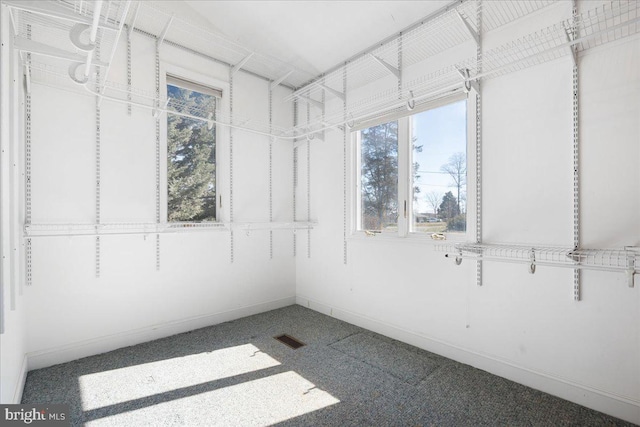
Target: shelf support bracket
pixel 276 82
pixel 241 64
pixel 327 124
pixel 164 32
pixel 393 70
pixel 631 263
pixel 532 258
pixel 13 22
pixel 572 47
pixel 311 101
pixel 244 123
pixel 469 28
pixel 468 82
pixel 333 92
pixel 27 76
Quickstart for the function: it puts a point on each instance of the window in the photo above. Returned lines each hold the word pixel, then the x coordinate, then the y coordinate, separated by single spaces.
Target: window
pixel 191 152
pixel 411 173
pixel 378 181
pixel 439 137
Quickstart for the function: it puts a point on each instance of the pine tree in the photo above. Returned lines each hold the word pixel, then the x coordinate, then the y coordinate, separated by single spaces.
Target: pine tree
pixel 191 158
pixel 449 206
pixel 456 167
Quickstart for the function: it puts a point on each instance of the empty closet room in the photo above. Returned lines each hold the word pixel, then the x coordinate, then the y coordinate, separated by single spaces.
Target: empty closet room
pixel 300 213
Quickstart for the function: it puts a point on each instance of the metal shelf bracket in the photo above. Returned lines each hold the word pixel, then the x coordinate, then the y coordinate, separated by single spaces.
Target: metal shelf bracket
pixel 310 101
pixel 393 70
pixel 279 80
pixel 164 31
pixel 333 92
pixel 468 26
pixel 469 83
pixel 241 64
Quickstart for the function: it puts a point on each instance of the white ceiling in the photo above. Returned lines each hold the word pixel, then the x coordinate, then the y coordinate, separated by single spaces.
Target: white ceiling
pixel 310 35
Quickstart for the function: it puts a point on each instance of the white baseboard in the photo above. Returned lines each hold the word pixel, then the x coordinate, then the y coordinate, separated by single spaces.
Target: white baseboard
pixel 599 400
pixel 17 395
pixel 74 351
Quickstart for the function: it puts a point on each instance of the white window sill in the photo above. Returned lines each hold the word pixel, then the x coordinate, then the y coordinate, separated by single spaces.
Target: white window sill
pixel 414 238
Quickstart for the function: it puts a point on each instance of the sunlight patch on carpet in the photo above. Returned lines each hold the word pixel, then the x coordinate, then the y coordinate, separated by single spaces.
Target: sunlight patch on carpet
pixel 116 386
pixel 259 402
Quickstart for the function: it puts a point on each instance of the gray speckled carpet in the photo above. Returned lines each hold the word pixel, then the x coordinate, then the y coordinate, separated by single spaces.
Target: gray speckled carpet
pixel 237 374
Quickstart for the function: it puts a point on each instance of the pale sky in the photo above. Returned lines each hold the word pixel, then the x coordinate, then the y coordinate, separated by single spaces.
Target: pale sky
pixel 441 132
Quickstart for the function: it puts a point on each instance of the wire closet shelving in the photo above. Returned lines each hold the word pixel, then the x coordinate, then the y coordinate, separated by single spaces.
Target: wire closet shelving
pixel 625 260
pixel 451 27
pixel 70 45
pixel 144 228
pixel 454 26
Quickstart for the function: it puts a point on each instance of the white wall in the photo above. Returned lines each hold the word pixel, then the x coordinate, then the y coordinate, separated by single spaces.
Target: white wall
pixel 524 327
pixel 70 312
pixel 521 326
pixel 13 366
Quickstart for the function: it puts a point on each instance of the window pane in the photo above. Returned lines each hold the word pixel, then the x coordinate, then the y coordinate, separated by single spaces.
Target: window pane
pixel 440 169
pixel 191 175
pixel 379 177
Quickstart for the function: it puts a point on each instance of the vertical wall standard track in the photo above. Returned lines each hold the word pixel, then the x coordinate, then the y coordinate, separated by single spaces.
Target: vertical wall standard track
pixel 576 152
pixel 479 141
pixel 157 119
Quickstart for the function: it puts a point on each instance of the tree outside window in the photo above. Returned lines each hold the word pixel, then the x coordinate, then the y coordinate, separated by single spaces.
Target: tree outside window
pixel 437 172
pixel 379 177
pixel 191 174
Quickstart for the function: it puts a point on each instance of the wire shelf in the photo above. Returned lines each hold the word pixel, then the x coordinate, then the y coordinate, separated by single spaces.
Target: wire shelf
pixel 428 39
pixel 622 260
pixel 496 13
pixel 54 74
pixel 608 23
pixel 51 21
pixel 89 229
pixel 612 21
pixel 153 19
pixel 421 90
pixel 46 31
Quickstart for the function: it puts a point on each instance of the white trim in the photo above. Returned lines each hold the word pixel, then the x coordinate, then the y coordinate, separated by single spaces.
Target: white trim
pixel 404 175
pixel 400 112
pixel 222 133
pixel 423 239
pixel 355 187
pixel 470 108
pixel 22 379
pixel 192 85
pixel 405 178
pixel 623 407
pixel 90 347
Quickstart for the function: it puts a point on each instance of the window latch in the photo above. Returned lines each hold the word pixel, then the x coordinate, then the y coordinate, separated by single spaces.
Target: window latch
pixel 405 208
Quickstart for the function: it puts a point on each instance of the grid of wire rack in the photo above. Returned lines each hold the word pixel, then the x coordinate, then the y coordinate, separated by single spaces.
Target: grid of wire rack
pixel 606 23
pixel 87 229
pixel 452 27
pixel 622 259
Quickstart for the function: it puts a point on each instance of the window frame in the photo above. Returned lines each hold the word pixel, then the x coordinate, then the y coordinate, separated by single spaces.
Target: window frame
pixel 215 87
pixel 405 179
